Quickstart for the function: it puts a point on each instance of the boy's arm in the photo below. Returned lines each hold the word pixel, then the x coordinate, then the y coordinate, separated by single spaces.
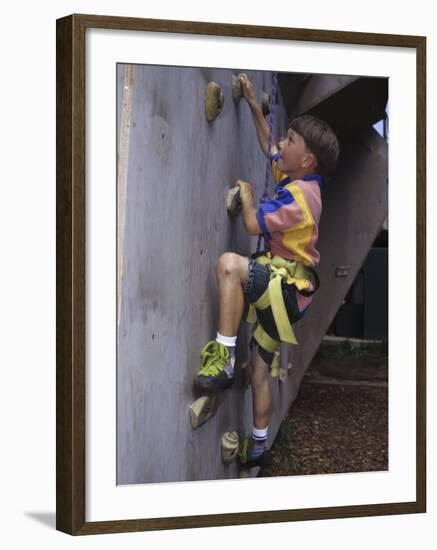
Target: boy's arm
pixel 262 128
pixel 249 211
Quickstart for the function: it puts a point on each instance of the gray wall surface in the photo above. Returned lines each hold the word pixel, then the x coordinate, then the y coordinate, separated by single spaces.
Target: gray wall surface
pixel 180 168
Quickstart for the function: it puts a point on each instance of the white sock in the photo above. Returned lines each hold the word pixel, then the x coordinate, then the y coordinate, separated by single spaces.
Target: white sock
pixel 258 443
pixel 259 434
pixel 230 342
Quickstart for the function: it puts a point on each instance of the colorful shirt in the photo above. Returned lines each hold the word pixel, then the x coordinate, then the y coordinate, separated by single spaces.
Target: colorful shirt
pixel 291 219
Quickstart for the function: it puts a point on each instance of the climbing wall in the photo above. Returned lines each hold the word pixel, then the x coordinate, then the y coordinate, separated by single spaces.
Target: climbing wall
pixel 174 171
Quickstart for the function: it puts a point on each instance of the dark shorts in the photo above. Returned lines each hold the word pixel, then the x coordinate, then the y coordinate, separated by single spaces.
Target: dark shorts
pixel 257 281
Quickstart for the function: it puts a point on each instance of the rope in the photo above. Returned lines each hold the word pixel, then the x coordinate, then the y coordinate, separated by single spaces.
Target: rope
pixel 265 196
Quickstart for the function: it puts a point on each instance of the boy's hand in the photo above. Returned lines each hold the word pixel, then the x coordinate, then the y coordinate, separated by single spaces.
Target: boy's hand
pixel 247 89
pixel 262 128
pixel 249 211
pixel 246 193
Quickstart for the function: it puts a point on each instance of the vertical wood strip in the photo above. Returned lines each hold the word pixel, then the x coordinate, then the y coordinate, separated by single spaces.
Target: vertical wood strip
pixel 70 275
pixel 122 172
pixel 421 464
pixel 64 289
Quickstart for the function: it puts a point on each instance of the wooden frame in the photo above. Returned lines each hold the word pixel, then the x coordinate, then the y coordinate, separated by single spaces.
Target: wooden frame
pixel 70 298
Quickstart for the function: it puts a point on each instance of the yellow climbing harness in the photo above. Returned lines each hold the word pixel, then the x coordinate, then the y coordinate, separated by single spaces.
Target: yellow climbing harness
pixel 294 273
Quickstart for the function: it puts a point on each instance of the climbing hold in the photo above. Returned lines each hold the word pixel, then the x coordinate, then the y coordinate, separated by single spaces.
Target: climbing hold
pixel 237 91
pixel 233 203
pixel 214 100
pixel 265 104
pixel 202 409
pixel 283 375
pixel 342 270
pixel 230 444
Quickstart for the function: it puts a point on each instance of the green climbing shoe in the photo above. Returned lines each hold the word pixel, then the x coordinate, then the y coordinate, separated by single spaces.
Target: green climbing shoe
pixel 213 376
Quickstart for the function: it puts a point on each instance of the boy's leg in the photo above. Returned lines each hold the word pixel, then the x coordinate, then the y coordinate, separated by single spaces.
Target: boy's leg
pixel 231 272
pixel 253 448
pixel 261 392
pixel 218 356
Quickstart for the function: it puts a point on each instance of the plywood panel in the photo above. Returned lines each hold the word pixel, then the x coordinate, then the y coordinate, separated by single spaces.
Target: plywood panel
pixel 176 227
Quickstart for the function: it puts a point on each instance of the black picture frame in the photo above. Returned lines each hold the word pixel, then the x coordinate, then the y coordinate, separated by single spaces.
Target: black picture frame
pixel 71 254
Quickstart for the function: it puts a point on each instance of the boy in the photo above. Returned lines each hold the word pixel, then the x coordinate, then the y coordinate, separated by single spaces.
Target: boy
pixel 299 161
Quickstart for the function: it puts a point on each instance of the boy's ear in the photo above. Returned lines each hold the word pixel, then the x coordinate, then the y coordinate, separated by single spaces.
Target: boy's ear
pixel 309 160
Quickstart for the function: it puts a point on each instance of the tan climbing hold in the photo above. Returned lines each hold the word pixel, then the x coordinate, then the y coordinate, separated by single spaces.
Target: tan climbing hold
pixel 230 444
pixel 283 375
pixel 233 203
pixel 237 91
pixel 214 100
pixel 265 104
pixel 201 410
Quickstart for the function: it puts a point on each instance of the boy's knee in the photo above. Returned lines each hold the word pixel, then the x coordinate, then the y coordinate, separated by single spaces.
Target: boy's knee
pixel 258 373
pixel 259 369
pixel 227 264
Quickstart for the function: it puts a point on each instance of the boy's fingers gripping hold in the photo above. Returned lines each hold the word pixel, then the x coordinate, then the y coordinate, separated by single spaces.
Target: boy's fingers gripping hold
pixel 245 189
pixel 247 87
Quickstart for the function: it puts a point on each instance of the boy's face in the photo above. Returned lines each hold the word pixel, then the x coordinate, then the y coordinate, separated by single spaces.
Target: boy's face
pixel 293 155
